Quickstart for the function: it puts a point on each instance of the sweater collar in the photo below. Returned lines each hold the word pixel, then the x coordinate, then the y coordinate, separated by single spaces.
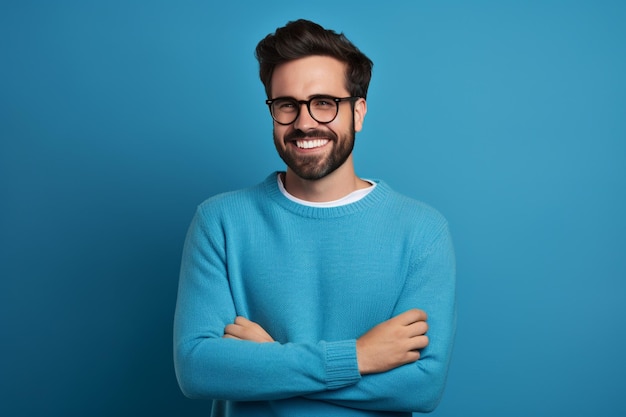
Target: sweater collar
pixel 377 195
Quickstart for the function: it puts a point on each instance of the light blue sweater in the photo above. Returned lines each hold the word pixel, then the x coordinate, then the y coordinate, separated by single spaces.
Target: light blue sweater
pixel 315 279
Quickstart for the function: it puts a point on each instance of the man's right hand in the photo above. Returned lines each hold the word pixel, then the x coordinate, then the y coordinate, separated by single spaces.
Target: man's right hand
pixel 392 343
pixel 244 329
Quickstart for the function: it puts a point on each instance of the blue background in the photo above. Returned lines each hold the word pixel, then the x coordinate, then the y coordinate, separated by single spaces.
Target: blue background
pixel 118 117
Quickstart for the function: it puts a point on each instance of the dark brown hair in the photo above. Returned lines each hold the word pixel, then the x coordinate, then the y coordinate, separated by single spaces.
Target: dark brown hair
pixel 302 38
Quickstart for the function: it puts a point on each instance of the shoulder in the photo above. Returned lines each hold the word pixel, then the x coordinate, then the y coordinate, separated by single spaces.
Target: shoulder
pixel 418 222
pixel 237 203
pixel 412 210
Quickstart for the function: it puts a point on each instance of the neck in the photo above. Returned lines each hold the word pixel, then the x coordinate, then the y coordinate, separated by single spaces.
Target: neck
pixel 334 186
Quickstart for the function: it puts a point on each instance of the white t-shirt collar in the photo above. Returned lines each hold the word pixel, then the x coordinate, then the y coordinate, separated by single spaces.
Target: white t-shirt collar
pixel 348 199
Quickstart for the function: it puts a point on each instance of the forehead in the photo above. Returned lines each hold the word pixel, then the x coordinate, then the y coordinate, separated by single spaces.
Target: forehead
pixel 305 77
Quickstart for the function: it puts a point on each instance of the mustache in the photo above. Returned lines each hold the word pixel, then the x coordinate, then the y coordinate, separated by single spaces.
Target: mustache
pixel 299 134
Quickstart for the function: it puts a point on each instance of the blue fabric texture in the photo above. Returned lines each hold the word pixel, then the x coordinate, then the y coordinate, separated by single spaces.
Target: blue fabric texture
pixel 315 279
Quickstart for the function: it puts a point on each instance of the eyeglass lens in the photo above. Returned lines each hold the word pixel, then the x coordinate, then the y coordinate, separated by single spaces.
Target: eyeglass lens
pixel 322 109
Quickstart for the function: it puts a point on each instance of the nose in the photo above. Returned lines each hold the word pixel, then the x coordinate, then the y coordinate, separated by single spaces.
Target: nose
pixel 304 121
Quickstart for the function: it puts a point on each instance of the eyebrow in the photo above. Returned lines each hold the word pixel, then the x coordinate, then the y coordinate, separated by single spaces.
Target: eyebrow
pixel 311 96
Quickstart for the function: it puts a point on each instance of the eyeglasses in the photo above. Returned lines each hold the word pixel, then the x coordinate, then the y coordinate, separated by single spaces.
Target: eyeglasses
pixel 323 109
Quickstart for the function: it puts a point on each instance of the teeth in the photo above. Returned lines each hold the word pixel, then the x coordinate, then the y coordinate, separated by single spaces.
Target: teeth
pixel 309 144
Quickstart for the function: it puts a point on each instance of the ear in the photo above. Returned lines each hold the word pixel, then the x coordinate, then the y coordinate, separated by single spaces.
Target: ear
pixel 360 109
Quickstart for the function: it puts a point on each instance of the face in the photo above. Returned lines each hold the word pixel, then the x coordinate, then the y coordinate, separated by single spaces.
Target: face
pixel 312 150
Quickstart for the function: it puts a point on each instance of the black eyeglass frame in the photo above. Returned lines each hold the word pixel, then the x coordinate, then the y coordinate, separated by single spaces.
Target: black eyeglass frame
pixel 337 100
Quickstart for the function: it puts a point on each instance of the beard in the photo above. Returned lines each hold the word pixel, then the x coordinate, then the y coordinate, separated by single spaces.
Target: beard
pixel 315 167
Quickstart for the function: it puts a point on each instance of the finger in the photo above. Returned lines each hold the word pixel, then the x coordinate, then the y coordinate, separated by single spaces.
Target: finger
pixel 239 327
pixel 245 329
pixel 418 342
pixel 243 321
pixel 249 325
pixel 417 329
pixel 234 330
pixel 413 356
pixel 230 336
pixel 409 357
pixel 411 316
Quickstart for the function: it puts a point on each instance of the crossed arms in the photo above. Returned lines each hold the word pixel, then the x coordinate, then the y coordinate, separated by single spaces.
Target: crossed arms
pixel 399 364
pixel 390 344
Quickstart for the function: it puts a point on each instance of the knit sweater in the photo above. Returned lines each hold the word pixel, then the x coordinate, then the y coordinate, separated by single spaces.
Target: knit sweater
pixel 315 279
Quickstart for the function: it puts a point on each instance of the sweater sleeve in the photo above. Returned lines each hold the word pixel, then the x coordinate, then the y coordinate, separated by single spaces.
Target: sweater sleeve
pixel 416 387
pixel 211 367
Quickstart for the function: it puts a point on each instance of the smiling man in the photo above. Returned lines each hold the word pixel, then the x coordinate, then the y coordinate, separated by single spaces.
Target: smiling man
pixel 315 292
pixel 316 144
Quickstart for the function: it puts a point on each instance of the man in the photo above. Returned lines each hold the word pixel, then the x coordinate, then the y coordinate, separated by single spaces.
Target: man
pixel 308 294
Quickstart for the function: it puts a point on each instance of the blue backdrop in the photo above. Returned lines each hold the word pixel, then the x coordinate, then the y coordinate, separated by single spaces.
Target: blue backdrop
pixel 118 117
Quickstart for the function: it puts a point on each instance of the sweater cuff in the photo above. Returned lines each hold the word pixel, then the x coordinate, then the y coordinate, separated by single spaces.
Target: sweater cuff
pixel 342 368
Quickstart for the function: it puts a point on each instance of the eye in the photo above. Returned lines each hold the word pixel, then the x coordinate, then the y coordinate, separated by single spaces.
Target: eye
pixel 323 102
pixel 285 105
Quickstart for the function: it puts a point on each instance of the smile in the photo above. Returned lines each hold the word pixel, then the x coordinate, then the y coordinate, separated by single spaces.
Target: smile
pixel 310 144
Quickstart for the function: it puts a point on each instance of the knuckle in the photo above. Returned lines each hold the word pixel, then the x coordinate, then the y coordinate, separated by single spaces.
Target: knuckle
pixel 417 315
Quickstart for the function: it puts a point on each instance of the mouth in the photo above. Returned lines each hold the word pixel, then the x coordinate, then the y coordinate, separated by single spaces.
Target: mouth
pixel 311 143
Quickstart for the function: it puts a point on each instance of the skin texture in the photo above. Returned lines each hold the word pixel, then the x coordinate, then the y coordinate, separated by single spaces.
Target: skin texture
pixel 326 173
pixel 392 343
pixel 244 329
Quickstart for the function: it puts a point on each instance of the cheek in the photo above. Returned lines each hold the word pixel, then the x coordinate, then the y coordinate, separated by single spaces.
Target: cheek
pixel 279 133
pixel 342 125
